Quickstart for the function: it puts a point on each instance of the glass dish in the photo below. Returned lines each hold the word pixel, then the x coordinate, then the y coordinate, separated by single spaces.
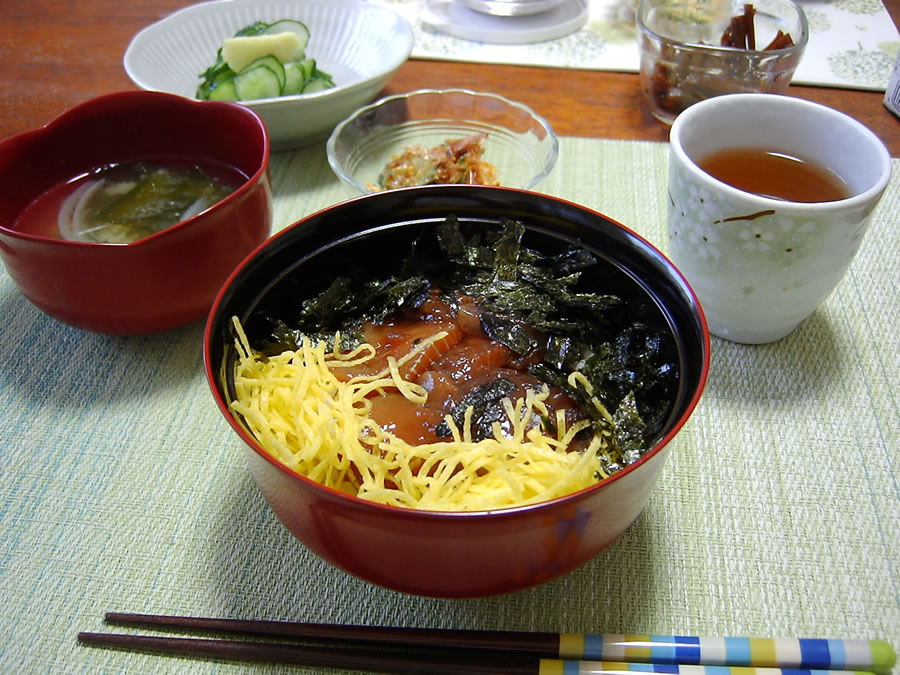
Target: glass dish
pixel 683 62
pixel 519 144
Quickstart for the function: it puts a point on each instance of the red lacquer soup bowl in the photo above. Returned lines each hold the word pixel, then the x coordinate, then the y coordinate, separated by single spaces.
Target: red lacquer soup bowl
pixel 157 282
pixel 453 554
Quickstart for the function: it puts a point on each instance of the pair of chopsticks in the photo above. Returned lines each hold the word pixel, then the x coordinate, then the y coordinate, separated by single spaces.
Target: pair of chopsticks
pixel 434 650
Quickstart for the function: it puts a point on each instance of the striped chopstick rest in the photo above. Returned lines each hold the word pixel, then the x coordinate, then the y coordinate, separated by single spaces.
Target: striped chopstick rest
pixel 730 651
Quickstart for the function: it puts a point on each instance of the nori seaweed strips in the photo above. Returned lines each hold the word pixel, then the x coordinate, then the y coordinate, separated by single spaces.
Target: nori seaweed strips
pixel 530 304
pixel 486 409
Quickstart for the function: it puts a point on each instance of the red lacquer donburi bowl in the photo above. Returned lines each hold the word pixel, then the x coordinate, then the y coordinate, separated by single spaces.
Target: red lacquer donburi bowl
pixel 452 554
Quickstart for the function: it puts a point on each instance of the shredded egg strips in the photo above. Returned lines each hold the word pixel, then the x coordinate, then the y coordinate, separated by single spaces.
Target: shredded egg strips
pixel 302 415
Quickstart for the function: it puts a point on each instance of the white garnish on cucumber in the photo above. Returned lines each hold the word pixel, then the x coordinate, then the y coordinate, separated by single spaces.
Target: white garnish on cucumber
pixel 240 52
pixel 263 60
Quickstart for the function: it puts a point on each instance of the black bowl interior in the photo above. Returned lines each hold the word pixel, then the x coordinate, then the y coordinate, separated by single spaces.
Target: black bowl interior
pixel 368 237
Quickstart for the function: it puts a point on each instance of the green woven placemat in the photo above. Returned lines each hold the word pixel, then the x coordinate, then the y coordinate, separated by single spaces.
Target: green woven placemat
pixel 778 513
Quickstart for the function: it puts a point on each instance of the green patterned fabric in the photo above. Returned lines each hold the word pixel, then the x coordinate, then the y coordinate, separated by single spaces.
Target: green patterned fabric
pixel 778 513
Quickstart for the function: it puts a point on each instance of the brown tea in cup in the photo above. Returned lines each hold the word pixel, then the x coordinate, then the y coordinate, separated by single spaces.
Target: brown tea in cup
pixel 776 175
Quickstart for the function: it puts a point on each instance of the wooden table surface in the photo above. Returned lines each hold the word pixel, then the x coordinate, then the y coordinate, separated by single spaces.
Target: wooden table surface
pixel 57 53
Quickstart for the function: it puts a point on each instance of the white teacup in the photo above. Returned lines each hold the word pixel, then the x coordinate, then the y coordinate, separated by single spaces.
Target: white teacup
pixel 761 265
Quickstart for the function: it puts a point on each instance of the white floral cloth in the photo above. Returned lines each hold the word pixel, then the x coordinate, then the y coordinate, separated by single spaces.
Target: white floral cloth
pixel 853 43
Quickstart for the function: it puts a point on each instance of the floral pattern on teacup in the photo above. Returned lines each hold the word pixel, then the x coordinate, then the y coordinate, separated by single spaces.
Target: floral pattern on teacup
pixel 757 267
pixel 728 236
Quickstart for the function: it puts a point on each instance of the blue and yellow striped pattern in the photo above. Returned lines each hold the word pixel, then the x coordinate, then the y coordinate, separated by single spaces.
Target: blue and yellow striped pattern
pixel 802 653
pixel 565 667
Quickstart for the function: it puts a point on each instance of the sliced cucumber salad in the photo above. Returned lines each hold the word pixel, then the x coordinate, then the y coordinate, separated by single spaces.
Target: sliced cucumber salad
pixel 263 60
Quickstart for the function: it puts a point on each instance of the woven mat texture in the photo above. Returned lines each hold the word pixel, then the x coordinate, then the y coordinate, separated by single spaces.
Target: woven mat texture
pixel 778 513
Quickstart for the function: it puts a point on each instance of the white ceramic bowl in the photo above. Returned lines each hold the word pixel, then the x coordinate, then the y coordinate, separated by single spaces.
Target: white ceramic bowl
pixel 359 44
pixel 520 144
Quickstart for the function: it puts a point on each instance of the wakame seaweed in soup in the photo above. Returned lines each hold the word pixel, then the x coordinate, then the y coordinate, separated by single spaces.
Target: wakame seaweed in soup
pixel 534 304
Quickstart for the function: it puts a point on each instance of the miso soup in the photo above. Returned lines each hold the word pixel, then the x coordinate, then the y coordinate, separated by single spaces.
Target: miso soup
pixel 121 203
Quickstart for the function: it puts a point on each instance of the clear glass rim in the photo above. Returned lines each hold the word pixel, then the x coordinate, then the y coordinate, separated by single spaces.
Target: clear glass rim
pixel 798 46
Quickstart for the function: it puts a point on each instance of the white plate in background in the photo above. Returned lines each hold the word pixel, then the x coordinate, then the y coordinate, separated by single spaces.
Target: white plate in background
pixel 455 18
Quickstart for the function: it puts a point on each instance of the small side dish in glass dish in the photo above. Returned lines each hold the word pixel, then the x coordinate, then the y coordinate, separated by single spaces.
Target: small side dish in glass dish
pixel 691 52
pixel 440 137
